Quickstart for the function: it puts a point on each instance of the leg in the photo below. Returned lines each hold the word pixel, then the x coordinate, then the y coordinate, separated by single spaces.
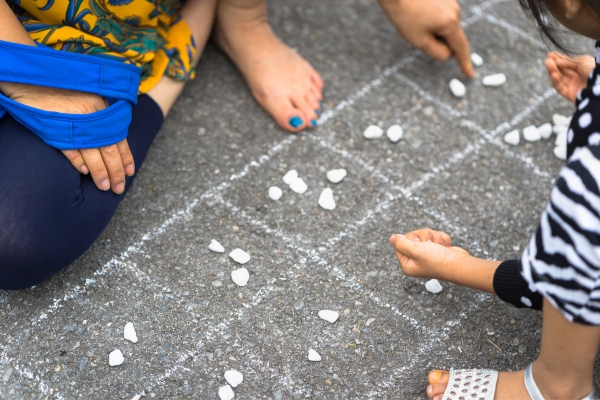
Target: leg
pixel 282 82
pixel 563 370
pixel 51 214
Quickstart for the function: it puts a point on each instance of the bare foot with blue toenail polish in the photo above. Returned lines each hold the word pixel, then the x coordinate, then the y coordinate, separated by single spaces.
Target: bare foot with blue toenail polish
pixel 282 82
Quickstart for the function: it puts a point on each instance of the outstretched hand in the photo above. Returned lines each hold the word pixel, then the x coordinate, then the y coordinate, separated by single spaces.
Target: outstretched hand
pixel 569 75
pixel 108 165
pixel 432 26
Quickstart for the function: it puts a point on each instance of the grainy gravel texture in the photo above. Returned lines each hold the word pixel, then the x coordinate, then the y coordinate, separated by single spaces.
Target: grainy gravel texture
pixel 207 176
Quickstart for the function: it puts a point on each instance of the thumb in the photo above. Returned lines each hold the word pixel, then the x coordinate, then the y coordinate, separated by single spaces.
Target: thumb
pixel 404 245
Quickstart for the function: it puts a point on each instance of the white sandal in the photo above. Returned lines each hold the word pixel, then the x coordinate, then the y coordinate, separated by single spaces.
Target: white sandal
pixel 480 384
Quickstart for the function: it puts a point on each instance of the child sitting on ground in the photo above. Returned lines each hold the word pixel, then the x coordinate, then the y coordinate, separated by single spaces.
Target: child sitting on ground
pixel 559 271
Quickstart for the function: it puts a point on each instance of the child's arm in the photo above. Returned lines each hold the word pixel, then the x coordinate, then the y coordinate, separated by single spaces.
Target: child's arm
pixel 429 254
pixel 569 75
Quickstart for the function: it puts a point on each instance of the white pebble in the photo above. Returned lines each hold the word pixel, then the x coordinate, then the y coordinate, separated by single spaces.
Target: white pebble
pixel 313 355
pixel 561 139
pixel 531 134
pixel 512 137
pixel 560 129
pixel 240 256
pixel 560 152
pixel 329 316
pixel 494 80
pixel 561 120
pixel 326 199
pixel 476 60
pixel 299 186
pixel 457 88
pixel 395 133
pixel 373 132
pixel 115 358
pixel 291 176
pixel 136 397
pixel 233 377
pixel 129 333
pixel 226 393
pixel 433 286
pixel 240 277
pixel 216 247
pixel 545 131
pixel 336 175
pixel 275 193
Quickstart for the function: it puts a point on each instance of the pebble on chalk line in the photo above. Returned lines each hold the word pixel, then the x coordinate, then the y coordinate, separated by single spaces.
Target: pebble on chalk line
pixel 299 186
pixel 561 138
pixel 240 276
pixel 329 316
pixel 233 377
pixel 129 333
pixel 476 60
pixel 531 134
pixel 313 355
pixel 494 80
pixel 373 132
pixel 226 393
pixel 433 286
pixel 290 176
pixel 545 130
pixel 239 256
pixel 275 193
pixel 336 175
pixel 326 199
pixel 115 358
pixel 395 133
pixel 561 120
pixel 512 137
pixel 561 152
pixel 457 88
pixel 216 247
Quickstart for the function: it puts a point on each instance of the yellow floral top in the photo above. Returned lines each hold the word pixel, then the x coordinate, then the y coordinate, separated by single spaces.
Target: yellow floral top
pixel 148 33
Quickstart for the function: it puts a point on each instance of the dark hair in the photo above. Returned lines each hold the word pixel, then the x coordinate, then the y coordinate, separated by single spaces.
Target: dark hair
pixel 538 11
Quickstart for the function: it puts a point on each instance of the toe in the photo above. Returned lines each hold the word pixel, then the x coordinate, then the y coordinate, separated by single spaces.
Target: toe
pixel 287 115
pixel 309 110
pixel 314 102
pixel 438 380
pixel 317 80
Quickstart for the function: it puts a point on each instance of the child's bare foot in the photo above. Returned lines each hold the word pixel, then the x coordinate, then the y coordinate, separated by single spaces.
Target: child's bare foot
pixel 282 82
pixel 569 75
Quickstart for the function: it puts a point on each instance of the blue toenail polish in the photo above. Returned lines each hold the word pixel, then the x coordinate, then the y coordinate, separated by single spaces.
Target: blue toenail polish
pixel 313 122
pixel 318 112
pixel 295 122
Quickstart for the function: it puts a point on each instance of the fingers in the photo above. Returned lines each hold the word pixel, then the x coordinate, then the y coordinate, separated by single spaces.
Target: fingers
pixel 95 163
pixel 459 45
pixel 429 235
pixel 111 156
pixel 405 246
pixel 106 166
pixel 435 48
pixel 76 159
pixel 126 157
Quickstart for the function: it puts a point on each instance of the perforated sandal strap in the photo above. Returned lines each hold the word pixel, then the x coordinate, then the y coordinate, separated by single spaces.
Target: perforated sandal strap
pixel 534 391
pixel 471 384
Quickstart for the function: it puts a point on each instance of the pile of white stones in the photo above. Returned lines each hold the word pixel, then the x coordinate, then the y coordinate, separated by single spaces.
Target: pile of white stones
pixel 240 276
pixel 531 133
pixel 459 89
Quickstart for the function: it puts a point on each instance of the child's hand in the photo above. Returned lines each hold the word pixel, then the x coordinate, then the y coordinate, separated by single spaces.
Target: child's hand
pixel 569 75
pixel 427 254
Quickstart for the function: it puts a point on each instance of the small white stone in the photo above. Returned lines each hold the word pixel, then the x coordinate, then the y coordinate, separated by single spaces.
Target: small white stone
pixel 329 316
pixel 291 176
pixel 561 120
pixel 226 393
pixel 494 80
pixel 561 139
pixel 336 175
pixel 136 397
pixel 395 133
pixel 433 286
pixel 275 193
pixel 115 358
pixel 129 333
pixel 531 134
pixel 545 130
pixel 457 88
pixel 512 137
pixel 373 132
pixel 560 152
pixel 313 355
pixel 233 377
pixel 240 256
pixel 560 129
pixel 216 247
pixel 240 277
pixel 476 60
pixel 326 199
pixel 299 186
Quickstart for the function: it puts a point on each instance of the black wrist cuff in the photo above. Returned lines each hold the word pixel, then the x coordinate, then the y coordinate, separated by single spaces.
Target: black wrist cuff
pixel 511 287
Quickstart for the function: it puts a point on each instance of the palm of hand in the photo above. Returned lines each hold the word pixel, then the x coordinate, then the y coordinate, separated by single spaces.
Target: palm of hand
pixel 569 75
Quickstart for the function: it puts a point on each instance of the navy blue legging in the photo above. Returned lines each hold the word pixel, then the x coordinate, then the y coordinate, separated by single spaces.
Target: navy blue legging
pixel 50 214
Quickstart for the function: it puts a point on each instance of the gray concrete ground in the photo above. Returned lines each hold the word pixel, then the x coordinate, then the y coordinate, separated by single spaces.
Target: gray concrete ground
pixel 206 177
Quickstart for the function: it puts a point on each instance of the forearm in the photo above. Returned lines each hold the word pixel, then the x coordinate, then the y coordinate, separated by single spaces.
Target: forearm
pixel 472 272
